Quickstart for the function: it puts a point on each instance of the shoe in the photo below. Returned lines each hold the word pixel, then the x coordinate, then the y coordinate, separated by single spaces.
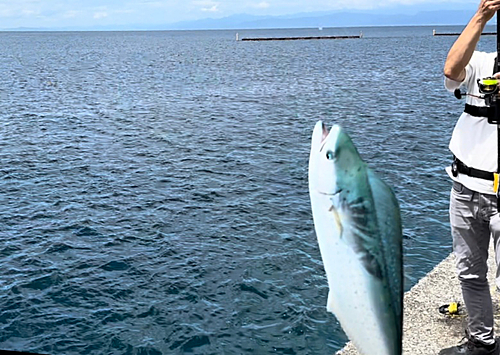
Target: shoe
pixel 472 347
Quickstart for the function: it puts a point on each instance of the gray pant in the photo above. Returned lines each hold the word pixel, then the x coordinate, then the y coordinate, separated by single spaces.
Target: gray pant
pixel 474 219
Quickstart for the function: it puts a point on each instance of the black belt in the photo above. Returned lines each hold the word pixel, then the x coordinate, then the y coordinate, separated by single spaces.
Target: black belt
pixel 480 111
pixel 458 167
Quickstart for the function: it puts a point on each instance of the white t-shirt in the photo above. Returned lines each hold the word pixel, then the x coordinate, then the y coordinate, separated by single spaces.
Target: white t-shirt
pixel 474 140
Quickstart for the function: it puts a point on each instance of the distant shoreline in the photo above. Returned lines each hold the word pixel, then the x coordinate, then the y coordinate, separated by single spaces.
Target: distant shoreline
pixel 19 30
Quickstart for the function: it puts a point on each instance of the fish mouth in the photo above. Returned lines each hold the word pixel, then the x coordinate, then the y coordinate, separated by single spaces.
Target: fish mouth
pixel 330 193
pixel 322 135
pixel 325 133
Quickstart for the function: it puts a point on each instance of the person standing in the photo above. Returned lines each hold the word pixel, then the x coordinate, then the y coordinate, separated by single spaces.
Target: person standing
pixel 474 216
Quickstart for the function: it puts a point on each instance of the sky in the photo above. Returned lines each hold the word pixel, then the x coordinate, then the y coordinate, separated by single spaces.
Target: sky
pixel 91 13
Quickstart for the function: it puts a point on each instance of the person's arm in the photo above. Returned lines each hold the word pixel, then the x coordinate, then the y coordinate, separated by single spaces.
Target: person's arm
pixel 463 48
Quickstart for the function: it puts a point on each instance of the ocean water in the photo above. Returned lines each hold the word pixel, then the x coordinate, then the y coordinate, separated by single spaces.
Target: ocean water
pixel 153 185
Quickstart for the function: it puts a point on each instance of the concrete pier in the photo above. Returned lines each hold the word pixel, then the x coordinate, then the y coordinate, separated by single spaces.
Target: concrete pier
pixel 425 330
pixel 299 38
pixel 434 33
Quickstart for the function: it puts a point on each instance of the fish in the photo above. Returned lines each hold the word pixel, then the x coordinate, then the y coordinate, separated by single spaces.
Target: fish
pixel 357 221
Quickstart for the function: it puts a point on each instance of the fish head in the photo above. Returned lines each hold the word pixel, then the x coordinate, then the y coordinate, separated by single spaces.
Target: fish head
pixel 334 163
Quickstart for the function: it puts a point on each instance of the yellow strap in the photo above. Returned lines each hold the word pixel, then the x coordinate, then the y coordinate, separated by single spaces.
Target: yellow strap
pixel 495 182
pixel 489 82
pixel 453 308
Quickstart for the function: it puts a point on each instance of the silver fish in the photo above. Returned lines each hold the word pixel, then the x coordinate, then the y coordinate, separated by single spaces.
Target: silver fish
pixel 358 227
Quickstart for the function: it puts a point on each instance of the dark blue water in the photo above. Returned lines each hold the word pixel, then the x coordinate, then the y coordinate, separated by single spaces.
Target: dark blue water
pixel 153 185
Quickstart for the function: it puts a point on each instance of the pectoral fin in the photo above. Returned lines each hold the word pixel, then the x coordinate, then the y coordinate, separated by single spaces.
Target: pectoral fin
pixel 338 221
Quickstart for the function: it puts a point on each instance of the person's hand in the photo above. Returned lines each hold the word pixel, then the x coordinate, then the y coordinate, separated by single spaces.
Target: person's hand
pixel 487 9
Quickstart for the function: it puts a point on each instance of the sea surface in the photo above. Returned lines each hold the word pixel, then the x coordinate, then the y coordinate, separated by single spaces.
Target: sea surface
pixel 153 185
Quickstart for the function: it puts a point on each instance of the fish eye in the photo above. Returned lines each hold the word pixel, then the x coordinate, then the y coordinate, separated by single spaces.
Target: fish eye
pixel 329 155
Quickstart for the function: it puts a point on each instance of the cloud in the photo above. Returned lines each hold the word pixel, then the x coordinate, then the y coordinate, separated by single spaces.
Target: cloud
pixel 25 9
pixel 210 9
pixel 207 5
pixel 100 14
pixel 262 5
